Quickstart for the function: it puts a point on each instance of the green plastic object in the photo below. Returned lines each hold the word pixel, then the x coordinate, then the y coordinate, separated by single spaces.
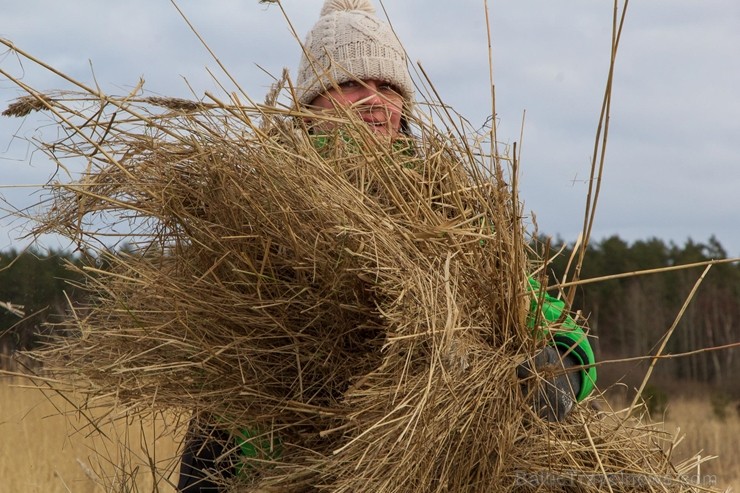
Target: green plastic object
pixel 569 337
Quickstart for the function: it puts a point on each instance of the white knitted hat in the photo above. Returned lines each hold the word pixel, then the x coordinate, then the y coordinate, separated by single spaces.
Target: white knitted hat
pixel 350 43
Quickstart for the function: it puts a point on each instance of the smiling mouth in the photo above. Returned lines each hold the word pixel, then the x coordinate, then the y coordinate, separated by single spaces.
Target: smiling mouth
pixel 378 127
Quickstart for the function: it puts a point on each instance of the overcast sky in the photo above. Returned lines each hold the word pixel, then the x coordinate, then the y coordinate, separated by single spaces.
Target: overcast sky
pixel 673 159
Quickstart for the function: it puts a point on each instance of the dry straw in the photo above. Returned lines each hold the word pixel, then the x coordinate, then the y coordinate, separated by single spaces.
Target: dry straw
pixel 358 305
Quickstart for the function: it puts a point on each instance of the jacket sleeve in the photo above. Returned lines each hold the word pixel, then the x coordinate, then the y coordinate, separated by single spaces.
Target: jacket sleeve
pixel 569 337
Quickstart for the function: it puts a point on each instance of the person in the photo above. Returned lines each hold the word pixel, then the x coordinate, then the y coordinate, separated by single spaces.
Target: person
pixel 353 61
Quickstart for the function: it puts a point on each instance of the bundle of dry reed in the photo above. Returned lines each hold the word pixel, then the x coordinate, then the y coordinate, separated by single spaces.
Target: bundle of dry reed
pixel 358 304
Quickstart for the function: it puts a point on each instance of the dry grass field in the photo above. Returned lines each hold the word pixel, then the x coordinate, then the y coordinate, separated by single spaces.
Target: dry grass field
pixel 704 429
pixel 45 452
pixel 42 451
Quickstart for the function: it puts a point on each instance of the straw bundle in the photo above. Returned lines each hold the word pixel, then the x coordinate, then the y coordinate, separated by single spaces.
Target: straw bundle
pixel 357 305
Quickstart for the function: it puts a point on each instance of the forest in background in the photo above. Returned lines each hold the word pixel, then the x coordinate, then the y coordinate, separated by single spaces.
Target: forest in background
pixel 628 317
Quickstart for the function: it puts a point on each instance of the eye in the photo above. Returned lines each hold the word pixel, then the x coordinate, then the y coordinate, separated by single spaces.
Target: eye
pixel 387 87
pixel 350 84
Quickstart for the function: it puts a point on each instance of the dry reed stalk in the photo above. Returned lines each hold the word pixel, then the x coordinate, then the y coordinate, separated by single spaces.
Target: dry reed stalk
pixel 361 301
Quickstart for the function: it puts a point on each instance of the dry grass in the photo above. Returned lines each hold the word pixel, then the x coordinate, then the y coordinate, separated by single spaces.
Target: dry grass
pixel 43 451
pixel 704 431
pixel 378 329
pixel 365 301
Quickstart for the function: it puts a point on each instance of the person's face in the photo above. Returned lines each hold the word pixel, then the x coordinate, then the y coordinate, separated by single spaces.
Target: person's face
pixel 377 103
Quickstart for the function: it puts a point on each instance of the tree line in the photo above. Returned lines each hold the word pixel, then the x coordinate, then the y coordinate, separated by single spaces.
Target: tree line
pixel 629 317
pixel 35 291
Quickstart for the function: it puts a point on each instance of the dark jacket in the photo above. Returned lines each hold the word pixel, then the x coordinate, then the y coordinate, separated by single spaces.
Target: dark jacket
pixel 207 460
